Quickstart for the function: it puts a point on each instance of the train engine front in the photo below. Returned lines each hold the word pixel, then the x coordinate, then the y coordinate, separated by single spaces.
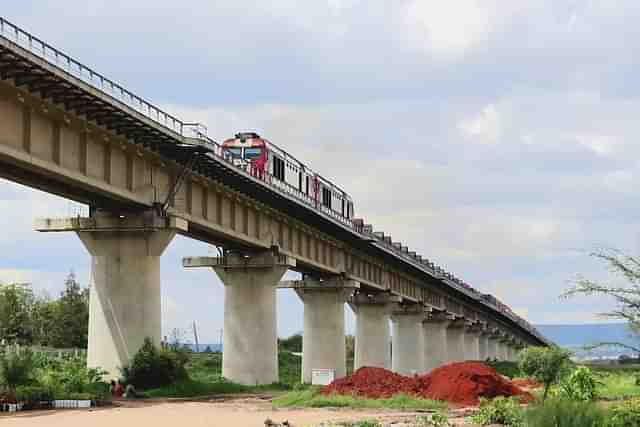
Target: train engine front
pixel 249 151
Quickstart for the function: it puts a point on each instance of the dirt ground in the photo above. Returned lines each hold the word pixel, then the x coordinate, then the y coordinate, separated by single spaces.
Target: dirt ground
pixel 238 412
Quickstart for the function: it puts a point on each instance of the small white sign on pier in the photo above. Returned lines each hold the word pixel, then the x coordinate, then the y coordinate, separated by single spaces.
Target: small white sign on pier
pixel 322 376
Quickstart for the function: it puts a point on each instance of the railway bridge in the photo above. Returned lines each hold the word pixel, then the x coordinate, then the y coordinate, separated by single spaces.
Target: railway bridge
pixel 147 176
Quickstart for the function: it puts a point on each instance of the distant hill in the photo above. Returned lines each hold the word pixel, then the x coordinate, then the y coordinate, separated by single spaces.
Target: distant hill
pixel 576 337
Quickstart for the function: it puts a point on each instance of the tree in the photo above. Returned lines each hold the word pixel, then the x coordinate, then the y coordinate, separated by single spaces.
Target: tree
pixel 16 308
pixel 627 296
pixel 546 364
pixel 292 344
pixel 69 316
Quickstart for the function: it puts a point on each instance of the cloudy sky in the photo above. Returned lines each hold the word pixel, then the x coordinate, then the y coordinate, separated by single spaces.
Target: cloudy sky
pixel 496 137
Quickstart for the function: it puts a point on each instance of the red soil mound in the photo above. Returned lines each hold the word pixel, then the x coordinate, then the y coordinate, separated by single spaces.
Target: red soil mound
pixel 459 383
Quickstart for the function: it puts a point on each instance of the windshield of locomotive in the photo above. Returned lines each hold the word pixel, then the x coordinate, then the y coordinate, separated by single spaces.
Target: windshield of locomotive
pixel 252 153
pixel 235 152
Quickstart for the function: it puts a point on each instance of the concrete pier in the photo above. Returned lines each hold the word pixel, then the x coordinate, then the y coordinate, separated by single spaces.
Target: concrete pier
pixel 250 352
pixel 323 341
pixel 372 329
pixel 124 306
pixel 408 340
pixel 483 344
pixel 492 345
pixel 435 341
pixel 455 341
pixel 472 341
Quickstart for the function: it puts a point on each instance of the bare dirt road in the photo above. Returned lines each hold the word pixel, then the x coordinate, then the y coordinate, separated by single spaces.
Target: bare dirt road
pixel 245 412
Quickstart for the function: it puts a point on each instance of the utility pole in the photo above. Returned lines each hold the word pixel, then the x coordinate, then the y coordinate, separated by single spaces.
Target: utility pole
pixel 195 336
pixel 220 340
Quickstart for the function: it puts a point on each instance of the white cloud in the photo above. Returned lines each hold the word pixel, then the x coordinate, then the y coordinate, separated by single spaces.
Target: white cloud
pixel 483 127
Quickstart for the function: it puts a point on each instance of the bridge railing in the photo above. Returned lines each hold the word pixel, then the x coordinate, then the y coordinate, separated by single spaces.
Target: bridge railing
pixel 63 61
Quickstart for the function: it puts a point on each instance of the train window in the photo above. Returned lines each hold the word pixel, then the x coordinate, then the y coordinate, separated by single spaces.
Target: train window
pixel 235 152
pixel 326 197
pixel 252 153
pixel 278 168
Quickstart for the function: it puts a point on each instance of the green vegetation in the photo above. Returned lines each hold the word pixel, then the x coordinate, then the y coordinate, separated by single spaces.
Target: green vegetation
pixel 312 398
pixel 438 419
pixel 565 413
pixel 34 378
pixel 508 369
pixel 29 319
pixel 626 414
pixel 500 410
pixel 546 364
pixel 152 368
pixel 580 385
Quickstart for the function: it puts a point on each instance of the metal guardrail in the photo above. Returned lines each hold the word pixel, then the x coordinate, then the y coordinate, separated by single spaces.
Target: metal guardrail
pixel 63 61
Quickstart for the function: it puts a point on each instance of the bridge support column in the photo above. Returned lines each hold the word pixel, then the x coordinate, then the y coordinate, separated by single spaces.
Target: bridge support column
pixel 407 346
pixel 372 329
pixel 503 349
pixel 472 342
pixel 483 345
pixel 124 306
pixel 250 347
pixel 455 341
pixel 323 340
pixel 435 341
pixel 492 345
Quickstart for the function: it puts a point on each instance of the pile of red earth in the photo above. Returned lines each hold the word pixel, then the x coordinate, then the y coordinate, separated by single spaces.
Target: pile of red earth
pixel 458 383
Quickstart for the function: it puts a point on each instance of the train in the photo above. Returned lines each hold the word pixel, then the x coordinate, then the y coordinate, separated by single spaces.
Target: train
pixel 266 161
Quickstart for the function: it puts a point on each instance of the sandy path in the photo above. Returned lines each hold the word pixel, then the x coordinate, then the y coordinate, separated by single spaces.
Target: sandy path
pixel 240 413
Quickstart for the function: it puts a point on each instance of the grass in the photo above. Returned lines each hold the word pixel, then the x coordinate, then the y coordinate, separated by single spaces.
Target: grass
pixel 618 384
pixel 205 379
pixel 311 398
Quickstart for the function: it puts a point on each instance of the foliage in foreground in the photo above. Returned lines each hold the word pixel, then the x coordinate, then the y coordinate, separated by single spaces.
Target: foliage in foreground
pixel 565 413
pixel 311 398
pixel 152 367
pixel 546 364
pixel 626 414
pixel 501 410
pixel 16 369
pixel 581 385
pixel 505 368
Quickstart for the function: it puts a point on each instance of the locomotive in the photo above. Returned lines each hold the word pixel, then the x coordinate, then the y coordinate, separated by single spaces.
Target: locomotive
pixel 267 162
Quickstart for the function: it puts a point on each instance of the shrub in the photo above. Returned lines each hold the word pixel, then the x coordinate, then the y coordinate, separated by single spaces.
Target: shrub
pixel 546 364
pixel 70 376
pixel 565 413
pixel 437 419
pixel 33 394
pixel 508 369
pixel 626 414
pixel 580 385
pixel 152 368
pixel 16 369
pixel 501 410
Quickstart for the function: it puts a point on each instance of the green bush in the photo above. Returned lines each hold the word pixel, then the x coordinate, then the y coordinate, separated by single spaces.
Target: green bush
pixel 546 364
pixel 16 369
pixel 580 385
pixel 33 394
pixel 626 414
pixel 71 376
pixel 153 368
pixel 565 413
pixel 508 369
pixel 501 410
pixel 437 419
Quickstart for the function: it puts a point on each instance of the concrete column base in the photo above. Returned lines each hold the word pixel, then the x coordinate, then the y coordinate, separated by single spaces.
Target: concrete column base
pixel 407 356
pixel 472 343
pixel 492 347
pixel 323 341
pixel 124 306
pixel 435 342
pixel 372 330
pixel 455 341
pixel 250 343
pixel 483 345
